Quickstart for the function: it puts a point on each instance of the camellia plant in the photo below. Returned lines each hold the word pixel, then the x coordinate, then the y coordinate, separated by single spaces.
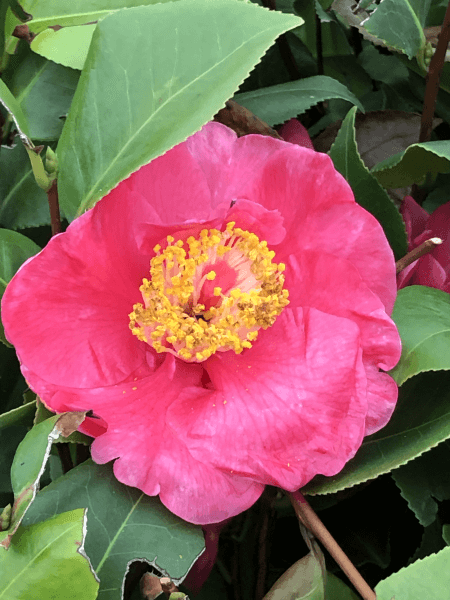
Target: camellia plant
pixel 225 302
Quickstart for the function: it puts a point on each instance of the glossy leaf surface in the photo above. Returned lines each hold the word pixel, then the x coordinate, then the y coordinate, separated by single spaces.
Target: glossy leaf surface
pixel 195 57
pixel 368 192
pixel 422 315
pixel 428 578
pixel 47 561
pixel 278 103
pixel 420 421
pixel 123 525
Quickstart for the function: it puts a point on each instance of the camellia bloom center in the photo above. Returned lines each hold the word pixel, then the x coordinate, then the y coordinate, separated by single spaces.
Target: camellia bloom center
pixel 209 294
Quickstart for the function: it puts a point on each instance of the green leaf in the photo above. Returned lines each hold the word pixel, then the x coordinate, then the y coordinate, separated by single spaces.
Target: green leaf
pixel 47 561
pixel 74 12
pixel 42 413
pixel 195 57
pixel 23 203
pixel 368 193
pixel 18 416
pixel 421 8
pixel 67 46
pixel 44 91
pixel 412 165
pixel 425 480
pixel 29 463
pixel 395 22
pixel 15 249
pixel 123 525
pixel 446 534
pixel 428 578
pixel 305 580
pixel 15 112
pixel 278 103
pixel 420 421
pixel 422 315
pixel 337 590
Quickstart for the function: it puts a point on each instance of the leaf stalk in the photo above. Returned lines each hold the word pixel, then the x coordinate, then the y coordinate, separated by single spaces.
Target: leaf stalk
pixel 309 518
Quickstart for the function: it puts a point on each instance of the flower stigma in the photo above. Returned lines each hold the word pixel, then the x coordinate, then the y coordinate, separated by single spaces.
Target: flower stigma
pixel 210 294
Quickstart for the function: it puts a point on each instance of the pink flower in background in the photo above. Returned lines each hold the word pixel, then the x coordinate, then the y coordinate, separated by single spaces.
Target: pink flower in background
pixel 433 269
pixel 296 133
pixel 224 314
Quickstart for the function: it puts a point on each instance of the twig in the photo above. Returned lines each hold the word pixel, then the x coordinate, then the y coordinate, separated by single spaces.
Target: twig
pixel 433 78
pixel 309 518
pixel 424 248
pixel 53 204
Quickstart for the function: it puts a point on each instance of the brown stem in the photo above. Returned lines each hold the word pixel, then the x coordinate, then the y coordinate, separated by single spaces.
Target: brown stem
pixel 53 204
pixel 433 78
pixel 309 518
pixel 424 248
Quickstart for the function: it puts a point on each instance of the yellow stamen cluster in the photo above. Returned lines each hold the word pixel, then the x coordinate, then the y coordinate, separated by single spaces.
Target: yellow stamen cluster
pixel 173 320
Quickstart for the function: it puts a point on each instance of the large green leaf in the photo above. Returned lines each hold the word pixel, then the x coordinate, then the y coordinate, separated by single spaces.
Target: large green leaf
pixel 425 579
pixel 278 103
pixel 47 561
pixel 425 480
pixel 337 590
pixel 123 525
pixel 422 315
pixel 22 202
pixel 195 53
pixel 368 192
pixel 395 22
pixel 421 8
pixel 420 421
pixel 44 91
pixel 15 248
pixel 412 165
pixel 15 112
pixel 29 463
pixel 17 416
pixel 74 12
pixel 67 46
pixel 306 579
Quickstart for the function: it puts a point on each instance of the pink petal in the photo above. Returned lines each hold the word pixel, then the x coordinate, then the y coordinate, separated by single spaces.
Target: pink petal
pixel 382 393
pixel 172 186
pixel 295 133
pixel 320 213
pixel 334 286
pixel 439 224
pixel 250 216
pixel 415 218
pixel 429 272
pixel 149 454
pixel 294 405
pixel 74 327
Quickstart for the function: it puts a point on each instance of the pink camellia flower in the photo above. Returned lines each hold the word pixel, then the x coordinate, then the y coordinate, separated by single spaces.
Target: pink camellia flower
pixel 432 269
pixel 224 314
